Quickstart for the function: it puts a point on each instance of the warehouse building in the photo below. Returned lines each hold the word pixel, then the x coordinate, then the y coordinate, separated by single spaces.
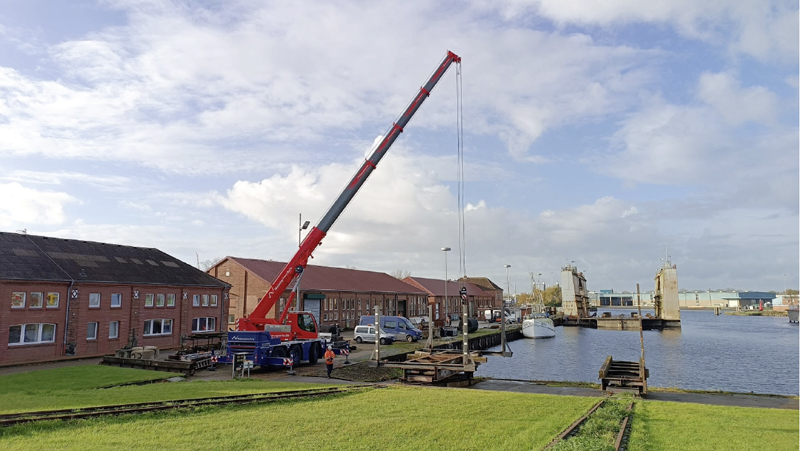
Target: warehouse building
pixel 62 299
pixel 334 295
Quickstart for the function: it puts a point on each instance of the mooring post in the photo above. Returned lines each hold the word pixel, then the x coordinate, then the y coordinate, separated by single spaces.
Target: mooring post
pixel 642 366
pixel 377 334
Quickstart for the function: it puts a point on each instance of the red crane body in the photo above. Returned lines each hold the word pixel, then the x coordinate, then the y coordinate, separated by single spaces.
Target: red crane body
pixel 294 268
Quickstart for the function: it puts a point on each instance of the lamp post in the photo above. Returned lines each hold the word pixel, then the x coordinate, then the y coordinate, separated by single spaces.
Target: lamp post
pixel 446 318
pixel 508 284
pixel 300 227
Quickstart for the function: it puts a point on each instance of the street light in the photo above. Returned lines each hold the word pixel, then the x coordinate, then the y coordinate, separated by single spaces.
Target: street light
pixel 445 250
pixel 300 227
pixel 508 284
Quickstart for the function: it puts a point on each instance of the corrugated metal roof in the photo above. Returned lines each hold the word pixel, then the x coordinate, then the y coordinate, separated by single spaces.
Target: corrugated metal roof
pixel 435 287
pixel 33 257
pixel 325 278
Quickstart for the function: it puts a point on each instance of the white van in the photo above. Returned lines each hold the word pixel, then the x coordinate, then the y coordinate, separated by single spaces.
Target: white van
pixel 367 333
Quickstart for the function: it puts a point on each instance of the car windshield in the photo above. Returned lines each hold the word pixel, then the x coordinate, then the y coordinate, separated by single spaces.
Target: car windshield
pixel 408 324
pixel 383 332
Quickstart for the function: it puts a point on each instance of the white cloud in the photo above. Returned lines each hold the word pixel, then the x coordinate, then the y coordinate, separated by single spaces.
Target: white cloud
pixel 736 104
pixel 24 206
pixel 764 29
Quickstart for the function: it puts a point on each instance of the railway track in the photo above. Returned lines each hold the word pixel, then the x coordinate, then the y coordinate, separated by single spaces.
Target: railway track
pixel 621 442
pixel 147 407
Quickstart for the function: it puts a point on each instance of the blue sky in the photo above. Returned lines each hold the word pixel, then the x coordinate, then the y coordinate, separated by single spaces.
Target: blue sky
pixel 594 133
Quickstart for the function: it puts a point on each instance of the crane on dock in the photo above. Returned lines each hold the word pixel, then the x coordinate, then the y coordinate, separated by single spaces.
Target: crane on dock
pixel 297 331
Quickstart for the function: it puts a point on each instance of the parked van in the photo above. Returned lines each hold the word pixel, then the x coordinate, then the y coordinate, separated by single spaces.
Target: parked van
pixel 398 325
pixel 367 333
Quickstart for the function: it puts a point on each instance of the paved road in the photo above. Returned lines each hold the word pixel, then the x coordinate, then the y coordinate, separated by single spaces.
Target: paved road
pixel 735 400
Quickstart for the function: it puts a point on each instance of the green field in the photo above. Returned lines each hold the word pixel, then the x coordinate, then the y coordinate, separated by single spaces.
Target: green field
pixel 396 418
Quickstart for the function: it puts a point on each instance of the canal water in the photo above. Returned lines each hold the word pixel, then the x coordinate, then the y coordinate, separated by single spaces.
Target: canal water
pixel 758 354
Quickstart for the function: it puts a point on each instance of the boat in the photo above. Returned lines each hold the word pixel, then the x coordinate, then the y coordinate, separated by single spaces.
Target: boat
pixel 538 325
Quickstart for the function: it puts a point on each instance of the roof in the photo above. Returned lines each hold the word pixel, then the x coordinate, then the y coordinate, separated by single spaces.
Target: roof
pixel 435 287
pixel 41 258
pixel 483 282
pixel 325 278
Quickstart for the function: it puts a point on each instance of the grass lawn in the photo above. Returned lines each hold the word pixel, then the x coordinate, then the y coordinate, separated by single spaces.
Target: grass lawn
pixel 81 386
pixel 396 418
pixel 685 427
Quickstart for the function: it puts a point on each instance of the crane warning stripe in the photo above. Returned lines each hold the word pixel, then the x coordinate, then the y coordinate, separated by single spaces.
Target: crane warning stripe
pixel 288 362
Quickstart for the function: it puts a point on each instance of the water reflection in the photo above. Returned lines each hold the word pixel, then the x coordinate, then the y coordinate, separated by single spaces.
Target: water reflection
pixel 728 353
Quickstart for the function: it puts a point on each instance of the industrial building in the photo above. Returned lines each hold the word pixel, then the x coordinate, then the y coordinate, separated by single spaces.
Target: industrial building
pixel 62 299
pixel 333 295
pixel 477 299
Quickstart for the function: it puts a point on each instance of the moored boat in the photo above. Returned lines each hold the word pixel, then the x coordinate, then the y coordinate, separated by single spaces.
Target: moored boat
pixel 538 326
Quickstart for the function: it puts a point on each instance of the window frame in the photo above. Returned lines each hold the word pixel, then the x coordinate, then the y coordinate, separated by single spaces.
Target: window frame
pixel 119 298
pixel 149 300
pixel 214 300
pixel 39 333
pixel 111 325
pixel 15 297
pixel 205 300
pixel 160 300
pixel 195 300
pixel 93 296
pixel 196 324
pixel 170 300
pixel 89 329
pixel 148 332
pixel 31 298
pixel 57 296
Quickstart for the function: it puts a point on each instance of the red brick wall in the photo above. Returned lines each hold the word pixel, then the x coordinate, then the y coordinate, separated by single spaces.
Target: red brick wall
pixel 25 353
pixel 131 314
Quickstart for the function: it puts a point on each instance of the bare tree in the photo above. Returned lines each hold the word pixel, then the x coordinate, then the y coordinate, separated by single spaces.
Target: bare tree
pixel 205 265
pixel 400 274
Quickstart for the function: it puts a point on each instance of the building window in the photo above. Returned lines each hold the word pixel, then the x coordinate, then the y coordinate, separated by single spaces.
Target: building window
pixel 159 300
pixel 113 329
pixel 116 300
pixel 158 327
pixel 208 324
pixel 91 331
pixel 205 300
pixel 18 299
pixel 94 300
pixel 213 300
pixel 148 300
pixel 196 300
pixel 33 333
pixel 170 300
pixel 231 319
pixel 52 300
pixel 36 300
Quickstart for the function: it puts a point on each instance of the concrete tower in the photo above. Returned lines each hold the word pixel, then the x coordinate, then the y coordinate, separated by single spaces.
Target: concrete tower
pixel 574 296
pixel 665 297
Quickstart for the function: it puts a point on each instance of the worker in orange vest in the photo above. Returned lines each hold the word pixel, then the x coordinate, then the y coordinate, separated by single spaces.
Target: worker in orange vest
pixel 329 356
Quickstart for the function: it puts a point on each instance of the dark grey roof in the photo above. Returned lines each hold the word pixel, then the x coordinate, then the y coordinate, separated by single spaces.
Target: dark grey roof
pixel 32 257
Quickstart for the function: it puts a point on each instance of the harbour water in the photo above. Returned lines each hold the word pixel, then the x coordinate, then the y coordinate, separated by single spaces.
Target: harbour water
pixel 743 354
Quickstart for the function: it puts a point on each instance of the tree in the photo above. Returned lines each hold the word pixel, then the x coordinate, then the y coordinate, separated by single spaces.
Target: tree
pixel 400 274
pixel 205 265
pixel 552 296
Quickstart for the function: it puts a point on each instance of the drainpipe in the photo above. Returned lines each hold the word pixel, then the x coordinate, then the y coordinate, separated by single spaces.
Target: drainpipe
pixel 66 318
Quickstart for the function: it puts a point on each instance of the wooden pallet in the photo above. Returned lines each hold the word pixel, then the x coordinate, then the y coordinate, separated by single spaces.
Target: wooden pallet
pixel 431 367
pixel 619 373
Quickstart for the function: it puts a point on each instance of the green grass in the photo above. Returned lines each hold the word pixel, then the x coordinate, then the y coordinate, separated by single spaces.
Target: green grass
pixel 396 418
pixel 80 387
pixel 686 427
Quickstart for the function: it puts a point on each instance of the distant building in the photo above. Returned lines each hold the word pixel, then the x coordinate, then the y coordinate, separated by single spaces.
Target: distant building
pixel 574 295
pixel 486 285
pixel 477 299
pixel 63 298
pixel 333 295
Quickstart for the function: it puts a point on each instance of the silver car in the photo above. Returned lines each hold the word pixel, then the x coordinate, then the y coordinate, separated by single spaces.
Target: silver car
pixel 367 334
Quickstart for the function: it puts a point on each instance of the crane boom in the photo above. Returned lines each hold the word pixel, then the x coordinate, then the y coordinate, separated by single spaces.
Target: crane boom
pixel 298 263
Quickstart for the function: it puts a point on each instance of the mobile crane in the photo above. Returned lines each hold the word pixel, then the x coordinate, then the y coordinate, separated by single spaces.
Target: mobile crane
pixel 294 337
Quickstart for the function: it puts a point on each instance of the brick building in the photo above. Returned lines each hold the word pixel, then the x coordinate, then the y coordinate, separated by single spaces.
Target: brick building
pixel 64 298
pixel 333 295
pixel 477 299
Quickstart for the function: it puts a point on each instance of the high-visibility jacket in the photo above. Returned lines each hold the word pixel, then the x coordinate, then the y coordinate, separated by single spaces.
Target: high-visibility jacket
pixel 329 356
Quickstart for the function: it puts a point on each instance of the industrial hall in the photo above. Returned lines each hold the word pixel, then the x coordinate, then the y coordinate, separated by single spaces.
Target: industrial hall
pixel 63 299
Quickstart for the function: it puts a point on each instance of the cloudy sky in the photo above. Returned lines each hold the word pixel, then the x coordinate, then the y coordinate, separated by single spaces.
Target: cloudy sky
pixel 594 132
